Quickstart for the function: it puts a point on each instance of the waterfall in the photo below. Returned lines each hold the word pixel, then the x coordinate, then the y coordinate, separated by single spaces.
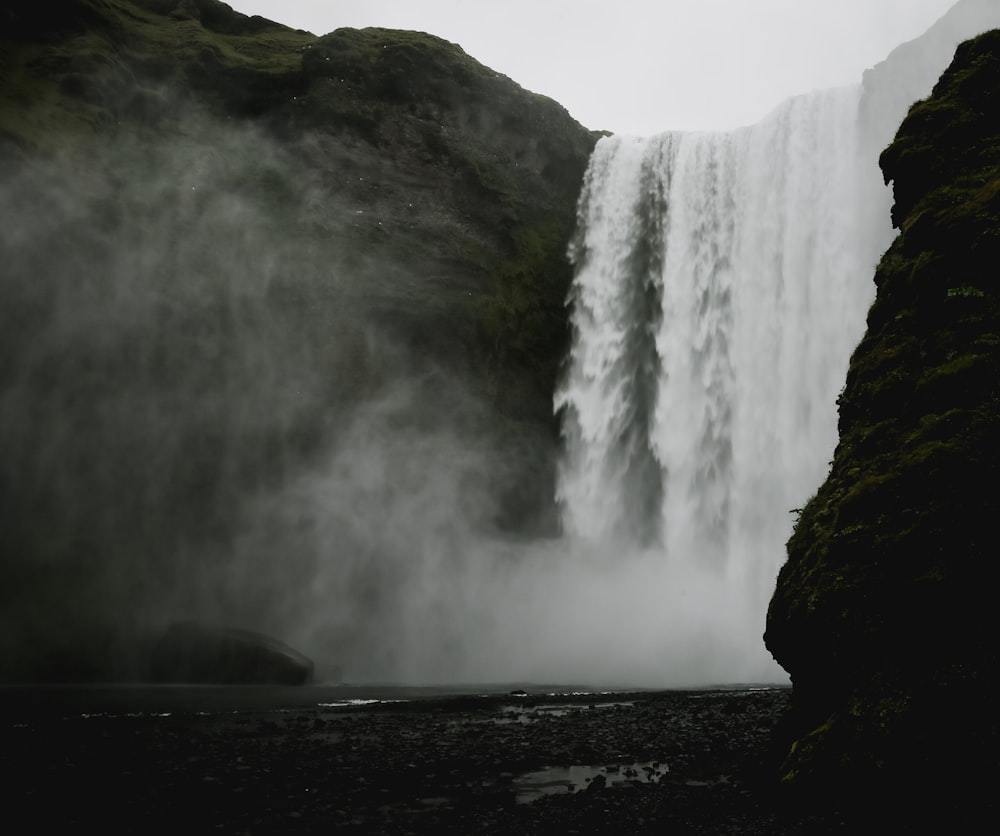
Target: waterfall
pixel 722 281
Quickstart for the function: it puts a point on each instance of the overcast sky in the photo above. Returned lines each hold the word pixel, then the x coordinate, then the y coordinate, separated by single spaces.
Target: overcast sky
pixel 646 66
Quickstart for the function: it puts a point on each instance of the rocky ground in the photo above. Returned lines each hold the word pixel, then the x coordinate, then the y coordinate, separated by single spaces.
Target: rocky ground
pixel 677 762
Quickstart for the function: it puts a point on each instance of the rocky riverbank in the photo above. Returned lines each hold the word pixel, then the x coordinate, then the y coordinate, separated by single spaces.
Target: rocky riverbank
pixel 678 762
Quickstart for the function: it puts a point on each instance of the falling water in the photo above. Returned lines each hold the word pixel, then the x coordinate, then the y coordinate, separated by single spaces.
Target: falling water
pixel 722 281
pixel 204 418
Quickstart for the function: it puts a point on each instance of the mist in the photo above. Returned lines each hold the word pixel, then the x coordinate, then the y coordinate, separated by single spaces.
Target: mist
pixel 174 349
pixel 226 394
pixel 399 577
pixel 207 414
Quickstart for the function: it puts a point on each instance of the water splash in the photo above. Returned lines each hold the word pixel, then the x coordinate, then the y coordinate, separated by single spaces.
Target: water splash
pixel 722 281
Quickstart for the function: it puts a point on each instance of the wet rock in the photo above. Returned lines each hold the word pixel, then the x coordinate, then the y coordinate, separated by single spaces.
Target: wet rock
pixel 194 652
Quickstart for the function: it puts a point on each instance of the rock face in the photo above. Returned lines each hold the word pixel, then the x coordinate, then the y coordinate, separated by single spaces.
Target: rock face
pixel 883 612
pixel 224 239
pixel 458 182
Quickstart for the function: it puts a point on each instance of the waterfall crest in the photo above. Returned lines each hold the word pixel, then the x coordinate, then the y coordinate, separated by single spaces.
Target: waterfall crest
pixel 722 280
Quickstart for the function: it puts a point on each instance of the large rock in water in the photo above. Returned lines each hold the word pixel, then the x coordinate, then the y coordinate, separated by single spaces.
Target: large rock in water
pixel 200 653
pixel 884 612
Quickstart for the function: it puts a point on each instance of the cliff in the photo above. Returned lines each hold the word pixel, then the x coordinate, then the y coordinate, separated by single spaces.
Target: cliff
pixel 227 244
pixel 883 612
pixel 437 157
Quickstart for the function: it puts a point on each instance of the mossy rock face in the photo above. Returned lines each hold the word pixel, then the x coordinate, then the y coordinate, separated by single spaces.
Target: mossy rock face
pixel 883 612
pixel 454 174
pixel 276 227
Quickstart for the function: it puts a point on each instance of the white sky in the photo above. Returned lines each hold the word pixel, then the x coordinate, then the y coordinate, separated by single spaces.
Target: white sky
pixel 645 66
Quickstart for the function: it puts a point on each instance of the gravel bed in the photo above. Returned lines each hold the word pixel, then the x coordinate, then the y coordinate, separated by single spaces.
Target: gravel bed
pixel 677 762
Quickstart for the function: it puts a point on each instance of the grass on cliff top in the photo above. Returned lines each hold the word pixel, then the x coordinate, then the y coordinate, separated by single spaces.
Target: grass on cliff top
pixel 54 84
pixel 408 64
pixel 276 49
pixel 411 49
pixel 950 135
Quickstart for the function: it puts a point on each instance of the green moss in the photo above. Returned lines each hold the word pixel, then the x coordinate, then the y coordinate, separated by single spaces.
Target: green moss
pixel 879 612
pixel 75 81
pixel 965 292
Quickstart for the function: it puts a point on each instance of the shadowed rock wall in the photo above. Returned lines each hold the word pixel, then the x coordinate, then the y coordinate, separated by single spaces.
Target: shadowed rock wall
pixel 883 614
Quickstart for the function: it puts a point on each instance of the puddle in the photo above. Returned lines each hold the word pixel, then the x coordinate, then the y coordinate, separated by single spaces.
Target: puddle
pixel 561 779
pixel 714 782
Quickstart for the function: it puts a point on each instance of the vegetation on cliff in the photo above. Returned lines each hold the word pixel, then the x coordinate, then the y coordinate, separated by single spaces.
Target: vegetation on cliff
pixel 883 611
pixel 471 173
pixel 222 235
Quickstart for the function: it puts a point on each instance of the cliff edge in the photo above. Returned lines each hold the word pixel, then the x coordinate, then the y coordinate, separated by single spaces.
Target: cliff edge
pixel 883 613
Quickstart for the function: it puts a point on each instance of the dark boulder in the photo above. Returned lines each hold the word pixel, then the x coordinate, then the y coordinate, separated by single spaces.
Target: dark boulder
pixel 200 653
